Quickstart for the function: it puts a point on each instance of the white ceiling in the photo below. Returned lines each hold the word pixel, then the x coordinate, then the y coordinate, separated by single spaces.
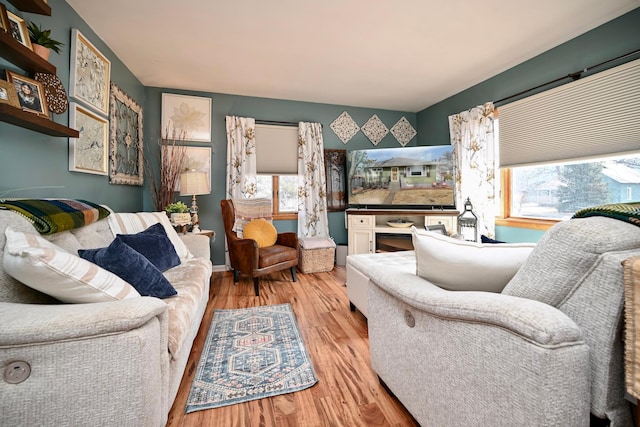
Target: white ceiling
pixel 399 55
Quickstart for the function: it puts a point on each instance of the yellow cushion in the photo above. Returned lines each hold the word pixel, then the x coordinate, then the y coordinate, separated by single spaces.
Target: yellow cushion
pixel 262 231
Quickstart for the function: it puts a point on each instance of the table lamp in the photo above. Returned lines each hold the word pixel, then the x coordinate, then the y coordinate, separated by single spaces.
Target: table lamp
pixel 194 183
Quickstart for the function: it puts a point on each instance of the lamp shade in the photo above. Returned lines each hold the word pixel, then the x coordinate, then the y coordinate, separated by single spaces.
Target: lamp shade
pixel 194 182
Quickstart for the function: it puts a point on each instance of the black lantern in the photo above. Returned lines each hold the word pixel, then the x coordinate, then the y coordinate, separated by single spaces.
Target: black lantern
pixel 468 223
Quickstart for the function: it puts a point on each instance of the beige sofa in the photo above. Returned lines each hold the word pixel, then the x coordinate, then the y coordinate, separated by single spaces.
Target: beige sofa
pixel 546 350
pixel 114 363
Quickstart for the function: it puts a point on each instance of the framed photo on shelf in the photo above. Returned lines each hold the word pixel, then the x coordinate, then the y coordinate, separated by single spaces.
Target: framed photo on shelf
pixel 31 96
pixel 188 116
pixel 8 94
pixel 126 161
pixel 17 27
pixel 4 19
pixel 88 152
pixel 90 73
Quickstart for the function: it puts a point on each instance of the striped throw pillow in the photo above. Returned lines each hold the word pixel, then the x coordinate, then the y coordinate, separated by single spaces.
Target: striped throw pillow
pixel 43 266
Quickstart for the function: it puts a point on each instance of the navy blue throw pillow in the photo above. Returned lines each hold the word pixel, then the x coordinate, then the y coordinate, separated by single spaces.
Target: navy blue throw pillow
pixel 128 264
pixel 486 239
pixel 154 244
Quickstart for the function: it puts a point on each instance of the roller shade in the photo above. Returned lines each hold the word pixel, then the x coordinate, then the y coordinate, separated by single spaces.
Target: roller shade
pixel 592 117
pixel 277 149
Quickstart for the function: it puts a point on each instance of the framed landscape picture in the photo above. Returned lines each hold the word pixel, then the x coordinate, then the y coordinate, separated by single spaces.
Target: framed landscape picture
pixel 88 152
pixel 90 73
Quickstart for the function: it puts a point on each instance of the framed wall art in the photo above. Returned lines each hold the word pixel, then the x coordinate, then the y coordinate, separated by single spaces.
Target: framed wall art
pixel 126 161
pixel 198 158
pixel 90 72
pixel 335 164
pixel 4 20
pixel 186 115
pixel 88 152
pixel 18 29
pixel 8 94
pixel 30 93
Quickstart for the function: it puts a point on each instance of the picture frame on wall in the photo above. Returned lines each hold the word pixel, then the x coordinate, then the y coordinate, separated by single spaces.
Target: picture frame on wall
pixel 90 72
pixel 8 94
pixel 30 92
pixel 88 152
pixel 335 163
pixel 187 116
pixel 17 27
pixel 195 158
pixel 126 156
pixel 4 19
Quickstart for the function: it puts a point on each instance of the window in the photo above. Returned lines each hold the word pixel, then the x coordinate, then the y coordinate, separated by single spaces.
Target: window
pixel 277 167
pixel 557 191
pixel 283 190
pixel 570 124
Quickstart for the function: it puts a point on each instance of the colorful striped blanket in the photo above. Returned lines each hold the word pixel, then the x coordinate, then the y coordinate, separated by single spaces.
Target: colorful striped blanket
pixel 628 212
pixel 51 216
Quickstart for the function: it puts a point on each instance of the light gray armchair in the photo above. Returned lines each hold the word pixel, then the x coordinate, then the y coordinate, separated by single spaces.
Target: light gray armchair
pixel 547 351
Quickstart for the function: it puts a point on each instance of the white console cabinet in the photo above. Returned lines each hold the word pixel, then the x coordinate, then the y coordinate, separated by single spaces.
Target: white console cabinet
pixel 366 226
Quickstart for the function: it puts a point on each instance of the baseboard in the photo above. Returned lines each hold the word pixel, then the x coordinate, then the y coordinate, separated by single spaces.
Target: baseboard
pixel 219 268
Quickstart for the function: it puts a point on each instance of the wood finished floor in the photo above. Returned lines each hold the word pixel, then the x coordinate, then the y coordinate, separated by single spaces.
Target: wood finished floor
pixel 348 392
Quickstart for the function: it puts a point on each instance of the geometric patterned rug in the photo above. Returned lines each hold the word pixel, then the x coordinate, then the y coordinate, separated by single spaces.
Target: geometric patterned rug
pixel 250 353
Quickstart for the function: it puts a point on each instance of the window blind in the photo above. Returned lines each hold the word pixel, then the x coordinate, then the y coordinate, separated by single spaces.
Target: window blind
pixel 592 117
pixel 276 149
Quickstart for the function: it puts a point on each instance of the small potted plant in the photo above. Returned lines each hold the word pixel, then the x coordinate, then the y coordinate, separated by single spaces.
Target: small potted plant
pixel 178 212
pixel 42 42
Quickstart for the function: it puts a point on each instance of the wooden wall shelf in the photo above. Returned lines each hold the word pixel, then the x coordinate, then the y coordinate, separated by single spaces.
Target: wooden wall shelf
pixel 34 122
pixel 32 6
pixel 23 57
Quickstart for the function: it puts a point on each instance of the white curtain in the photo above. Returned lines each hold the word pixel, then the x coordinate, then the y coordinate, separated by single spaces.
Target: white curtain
pixel 474 150
pixel 241 157
pixel 312 193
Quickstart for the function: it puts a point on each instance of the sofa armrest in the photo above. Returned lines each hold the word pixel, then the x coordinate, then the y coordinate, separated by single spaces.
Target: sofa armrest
pixel 532 320
pixel 197 244
pixel 89 363
pixel 472 355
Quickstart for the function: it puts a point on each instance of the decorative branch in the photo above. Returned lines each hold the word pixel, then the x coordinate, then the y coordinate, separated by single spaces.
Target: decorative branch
pixel 171 158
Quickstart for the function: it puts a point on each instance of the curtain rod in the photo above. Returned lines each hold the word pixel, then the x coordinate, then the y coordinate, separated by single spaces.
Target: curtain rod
pixel 574 76
pixel 273 123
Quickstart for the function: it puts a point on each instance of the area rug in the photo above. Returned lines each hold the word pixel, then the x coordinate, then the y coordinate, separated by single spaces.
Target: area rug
pixel 250 353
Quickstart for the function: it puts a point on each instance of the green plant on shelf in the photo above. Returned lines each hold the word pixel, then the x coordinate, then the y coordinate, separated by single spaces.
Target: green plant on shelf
pixel 43 37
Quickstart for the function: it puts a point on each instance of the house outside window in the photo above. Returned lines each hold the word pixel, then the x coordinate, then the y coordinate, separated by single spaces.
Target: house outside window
pixel 557 191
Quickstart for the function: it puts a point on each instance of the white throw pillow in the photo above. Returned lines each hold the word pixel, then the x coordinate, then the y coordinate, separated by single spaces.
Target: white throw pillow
pixel 132 223
pixel 43 266
pixel 457 265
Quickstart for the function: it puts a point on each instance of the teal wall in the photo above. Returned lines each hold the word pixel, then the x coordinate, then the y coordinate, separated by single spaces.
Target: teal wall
pixel 30 159
pixel 613 39
pixel 262 109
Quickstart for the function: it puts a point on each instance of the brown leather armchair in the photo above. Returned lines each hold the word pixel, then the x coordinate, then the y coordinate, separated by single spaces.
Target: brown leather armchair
pixel 247 258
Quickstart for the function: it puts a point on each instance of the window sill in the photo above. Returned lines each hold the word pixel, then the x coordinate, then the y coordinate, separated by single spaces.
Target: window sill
pixel 534 224
pixel 285 216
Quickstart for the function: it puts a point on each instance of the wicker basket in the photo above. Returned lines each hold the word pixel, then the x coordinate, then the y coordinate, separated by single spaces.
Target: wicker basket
pixel 316 255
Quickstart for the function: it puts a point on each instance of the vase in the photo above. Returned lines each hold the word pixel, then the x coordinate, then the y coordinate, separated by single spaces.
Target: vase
pixel 41 51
